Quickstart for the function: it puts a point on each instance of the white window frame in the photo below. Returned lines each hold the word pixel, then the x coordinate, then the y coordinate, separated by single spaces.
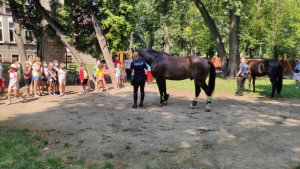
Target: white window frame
pixel 10 20
pixel 1 57
pixel 1 20
pixel 11 56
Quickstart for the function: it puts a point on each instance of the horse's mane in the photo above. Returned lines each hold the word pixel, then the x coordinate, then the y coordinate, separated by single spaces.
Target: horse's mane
pixel 151 52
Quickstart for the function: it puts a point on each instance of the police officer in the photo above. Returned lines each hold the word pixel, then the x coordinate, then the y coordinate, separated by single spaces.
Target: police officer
pixel 241 77
pixel 138 66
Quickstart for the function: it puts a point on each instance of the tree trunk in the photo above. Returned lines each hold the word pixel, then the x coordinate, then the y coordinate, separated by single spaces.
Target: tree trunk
pixel 103 44
pixel 60 34
pixel 233 43
pixel 215 34
pixel 166 38
pixel 131 41
pixel 151 39
pixel 18 35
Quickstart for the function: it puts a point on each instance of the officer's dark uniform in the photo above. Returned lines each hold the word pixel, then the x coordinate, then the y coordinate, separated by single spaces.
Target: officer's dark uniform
pixel 242 79
pixel 139 80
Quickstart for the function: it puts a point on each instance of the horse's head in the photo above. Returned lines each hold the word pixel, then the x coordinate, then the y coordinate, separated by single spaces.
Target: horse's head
pixel 149 55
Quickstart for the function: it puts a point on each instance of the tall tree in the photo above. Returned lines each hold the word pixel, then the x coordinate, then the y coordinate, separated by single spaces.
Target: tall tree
pixel 215 33
pixel 17 29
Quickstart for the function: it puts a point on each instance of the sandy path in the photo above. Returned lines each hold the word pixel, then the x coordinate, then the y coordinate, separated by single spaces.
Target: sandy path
pixel 239 132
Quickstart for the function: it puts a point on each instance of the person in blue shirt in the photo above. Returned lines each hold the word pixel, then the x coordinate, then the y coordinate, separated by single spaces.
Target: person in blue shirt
pixel 241 77
pixel 297 73
pixel 138 67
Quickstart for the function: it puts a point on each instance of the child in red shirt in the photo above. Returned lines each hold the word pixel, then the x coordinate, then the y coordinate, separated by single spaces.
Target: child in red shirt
pixel 83 76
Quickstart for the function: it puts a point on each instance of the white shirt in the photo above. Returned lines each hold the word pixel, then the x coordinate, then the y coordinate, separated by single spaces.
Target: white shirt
pixel 127 63
pixel 62 74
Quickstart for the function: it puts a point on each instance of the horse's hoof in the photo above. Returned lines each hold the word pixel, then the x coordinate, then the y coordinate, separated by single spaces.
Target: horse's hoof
pixel 207 109
pixel 191 106
pixel 165 102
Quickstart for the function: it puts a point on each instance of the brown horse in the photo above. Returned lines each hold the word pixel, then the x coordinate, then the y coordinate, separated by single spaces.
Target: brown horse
pixel 272 68
pixel 165 66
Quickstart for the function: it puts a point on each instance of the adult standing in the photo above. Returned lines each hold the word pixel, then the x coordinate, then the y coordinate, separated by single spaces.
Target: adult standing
pixel 297 73
pixel 138 67
pixel 128 71
pixel 241 77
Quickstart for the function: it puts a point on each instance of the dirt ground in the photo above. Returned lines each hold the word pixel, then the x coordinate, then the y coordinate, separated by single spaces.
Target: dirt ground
pixel 239 133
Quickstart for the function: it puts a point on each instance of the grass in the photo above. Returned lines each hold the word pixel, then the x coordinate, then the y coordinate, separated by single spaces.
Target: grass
pixel 20 150
pixel 228 86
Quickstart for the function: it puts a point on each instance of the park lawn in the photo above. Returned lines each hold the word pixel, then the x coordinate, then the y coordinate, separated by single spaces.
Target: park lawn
pixel 228 86
pixel 19 149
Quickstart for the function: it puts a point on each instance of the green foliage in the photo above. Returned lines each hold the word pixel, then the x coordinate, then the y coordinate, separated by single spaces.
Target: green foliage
pixel 18 150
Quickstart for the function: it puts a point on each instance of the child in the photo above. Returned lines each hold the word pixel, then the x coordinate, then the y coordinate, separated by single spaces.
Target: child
pixel 83 76
pixel 2 85
pixel 105 72
pixel 62 78
pixel 13 83
pixel 118 76
pixel 55 82
pixel 123 75
pixel 27 73
pixel 50 78
pixel 98 62
pixel 44 73
pixel 100 79
pixel 36 76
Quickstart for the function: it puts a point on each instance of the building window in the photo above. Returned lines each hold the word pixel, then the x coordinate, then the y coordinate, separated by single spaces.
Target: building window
pixel 7 9
pixel 11 32
pixel 69 59
pixel 29 36
pixel 14 58
pixel 1 30
pixel 29 56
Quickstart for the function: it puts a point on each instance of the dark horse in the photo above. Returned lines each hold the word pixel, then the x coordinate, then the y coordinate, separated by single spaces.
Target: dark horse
pixel 165 66
pixel 272 68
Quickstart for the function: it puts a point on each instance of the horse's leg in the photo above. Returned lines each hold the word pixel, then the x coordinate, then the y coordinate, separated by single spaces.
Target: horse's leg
pixel 249 83
pixel 160 88
pixel 273 82
pixel 197 93
pixel 164 90
pixel 208 96
pixel 253 83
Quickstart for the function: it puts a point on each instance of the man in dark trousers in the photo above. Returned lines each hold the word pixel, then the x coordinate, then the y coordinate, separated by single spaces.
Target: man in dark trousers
pixel 138 67
pixel 241 77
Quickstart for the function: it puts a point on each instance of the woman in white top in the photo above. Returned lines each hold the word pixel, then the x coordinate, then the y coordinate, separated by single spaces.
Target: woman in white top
pixel 127 63
pixel 62 78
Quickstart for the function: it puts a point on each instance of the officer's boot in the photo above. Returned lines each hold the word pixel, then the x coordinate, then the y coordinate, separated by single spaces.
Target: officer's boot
pixel 142 100
pixel 135 97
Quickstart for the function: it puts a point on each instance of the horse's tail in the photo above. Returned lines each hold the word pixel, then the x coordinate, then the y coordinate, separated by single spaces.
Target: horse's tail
pixel 279 79
pixel 212 78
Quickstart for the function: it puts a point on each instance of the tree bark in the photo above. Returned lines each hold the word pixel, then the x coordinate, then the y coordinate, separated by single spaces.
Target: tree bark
pixel 18 34
pixel 103 45
pixel 131 41
pixel 60 34
pixel 151 39
pixel 215 34
pixel 166 38
pixel 233 43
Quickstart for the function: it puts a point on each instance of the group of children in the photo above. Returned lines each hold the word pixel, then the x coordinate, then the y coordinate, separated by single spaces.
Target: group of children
pixel 39 77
